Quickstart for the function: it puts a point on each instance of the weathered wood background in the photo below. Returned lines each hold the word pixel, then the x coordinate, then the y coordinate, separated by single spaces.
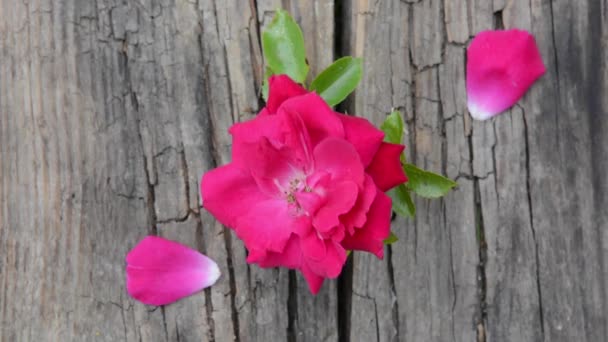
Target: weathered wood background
pixel 110 111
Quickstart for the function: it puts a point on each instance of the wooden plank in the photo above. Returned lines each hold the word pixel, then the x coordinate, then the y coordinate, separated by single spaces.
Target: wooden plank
pixel 233 308
pixel 110 112
pixel 377 35
pixel 313 317
pixel 565 134
pixel 460 218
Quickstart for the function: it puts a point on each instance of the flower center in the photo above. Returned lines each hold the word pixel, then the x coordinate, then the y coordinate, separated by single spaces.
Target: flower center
pixel 295 186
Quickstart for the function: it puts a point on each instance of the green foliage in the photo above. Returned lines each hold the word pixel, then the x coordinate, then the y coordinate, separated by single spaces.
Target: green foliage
pixel 391 239
pixel 393 128
pixel 283 46
pixel 267 74
pixel 338 80
pixel 421 182
pixel 285 53
pixel 427 184
pixel 402 201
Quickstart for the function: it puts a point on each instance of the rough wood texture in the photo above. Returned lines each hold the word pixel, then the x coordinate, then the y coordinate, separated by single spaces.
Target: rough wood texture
pixel 111 110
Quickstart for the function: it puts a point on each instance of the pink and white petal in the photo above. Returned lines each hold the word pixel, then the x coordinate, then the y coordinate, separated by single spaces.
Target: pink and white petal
pixel 314 280
pixel 281 88
pixel 160 271
pixel 317 116
pixel 331 265
pixel 267 225
pixel 371 237
pixel 339 199
pixel 357 216
pixel 386 169
pixel 228 193
pixel 501 66
pixel 364 136
pixel 339 157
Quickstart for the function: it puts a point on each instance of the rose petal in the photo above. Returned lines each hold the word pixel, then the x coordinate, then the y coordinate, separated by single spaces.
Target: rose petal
pixel 313 247
pixel 309 201
pixel 271 167
pixel 385 169
pixel 252 131
pixel 295 136
pixel 290 257
pixel 281 88
pixel 340 198
pixel 314 280
pixel 339 158
pixel 331 265
pixel 160 271
pixel 317 116
pixel 228 193
pixel 284 130
pixel 371 237
pixel 267 225
pixel 364 136
pixel 357 216
pixel 501 66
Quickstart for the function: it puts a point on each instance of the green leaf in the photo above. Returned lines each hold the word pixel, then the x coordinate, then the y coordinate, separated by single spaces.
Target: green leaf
pixel 402 201
pixel 427 184
pixel 267 74
pixel 391 239
pixel 338 80
pixel 393 128
pixel 283 46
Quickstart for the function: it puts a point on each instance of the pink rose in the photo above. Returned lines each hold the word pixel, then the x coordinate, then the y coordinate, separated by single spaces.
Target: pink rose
pixel 305 184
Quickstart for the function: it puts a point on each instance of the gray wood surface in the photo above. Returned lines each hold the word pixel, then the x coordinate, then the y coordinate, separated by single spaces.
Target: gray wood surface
pixel 110 111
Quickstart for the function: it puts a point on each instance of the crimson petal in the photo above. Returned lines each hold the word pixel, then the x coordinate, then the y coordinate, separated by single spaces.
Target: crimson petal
pixel 386 169
pixel 364 136
pixel 371 237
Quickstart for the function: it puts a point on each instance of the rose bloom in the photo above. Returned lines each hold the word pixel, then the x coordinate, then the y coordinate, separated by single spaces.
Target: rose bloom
pixel 305 184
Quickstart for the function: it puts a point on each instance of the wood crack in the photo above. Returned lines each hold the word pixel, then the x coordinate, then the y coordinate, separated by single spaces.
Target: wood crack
pixel 480 318
pixel 391 279
pixel 531 218
pixel 292 307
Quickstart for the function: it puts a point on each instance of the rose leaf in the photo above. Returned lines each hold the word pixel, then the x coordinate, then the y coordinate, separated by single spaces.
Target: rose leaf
pixel 283 46
pixel 393 128
pixel 427 184
pixel 391 239
pixel 402 201
pixel 338 80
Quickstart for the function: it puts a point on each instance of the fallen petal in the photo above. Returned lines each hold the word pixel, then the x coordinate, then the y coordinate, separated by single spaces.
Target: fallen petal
pixel 501 66
pixel 160 271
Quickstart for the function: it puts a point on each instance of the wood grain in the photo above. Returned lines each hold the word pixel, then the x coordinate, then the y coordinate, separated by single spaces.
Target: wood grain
pixel 110 111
